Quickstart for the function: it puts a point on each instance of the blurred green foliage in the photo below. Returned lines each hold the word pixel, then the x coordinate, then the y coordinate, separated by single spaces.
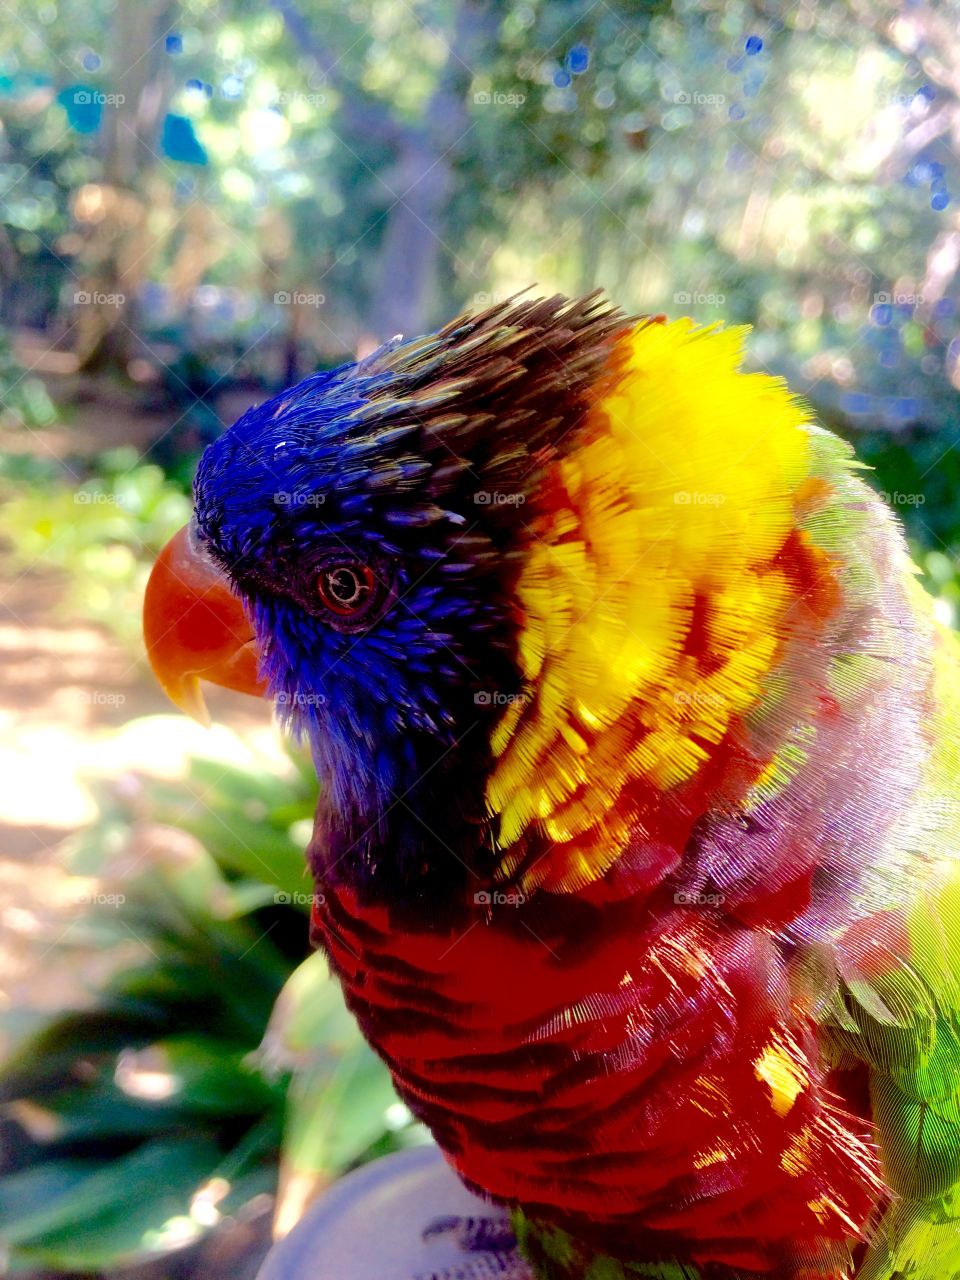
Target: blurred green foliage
pixel 138 1121
pixel 24 400
pixel 100 532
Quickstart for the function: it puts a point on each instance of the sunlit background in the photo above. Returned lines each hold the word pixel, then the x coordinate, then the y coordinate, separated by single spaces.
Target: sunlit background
pixel 204 201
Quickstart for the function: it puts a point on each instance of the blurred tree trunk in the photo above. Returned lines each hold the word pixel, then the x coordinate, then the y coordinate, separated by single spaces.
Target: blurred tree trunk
pixel 120 242
pixel 413 240
pixel 418 231
pixel 421 181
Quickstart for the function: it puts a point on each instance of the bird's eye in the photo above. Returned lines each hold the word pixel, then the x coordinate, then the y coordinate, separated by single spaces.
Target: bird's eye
pixel 351 592
pixel 346 588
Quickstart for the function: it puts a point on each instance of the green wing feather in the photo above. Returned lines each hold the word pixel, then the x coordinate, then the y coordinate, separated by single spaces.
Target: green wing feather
pixel 902 1017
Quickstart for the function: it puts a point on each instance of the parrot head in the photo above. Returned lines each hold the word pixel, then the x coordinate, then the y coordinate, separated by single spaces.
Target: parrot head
pixel 534 589
pixel 354 556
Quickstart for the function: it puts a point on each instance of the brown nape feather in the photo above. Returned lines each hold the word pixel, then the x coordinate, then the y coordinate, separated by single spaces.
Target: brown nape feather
pixel 495 396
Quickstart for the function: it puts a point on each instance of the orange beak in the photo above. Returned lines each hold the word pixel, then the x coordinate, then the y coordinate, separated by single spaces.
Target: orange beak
pixel 196 628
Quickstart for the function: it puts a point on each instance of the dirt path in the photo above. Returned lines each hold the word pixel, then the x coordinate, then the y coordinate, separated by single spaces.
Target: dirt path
pixel 77 708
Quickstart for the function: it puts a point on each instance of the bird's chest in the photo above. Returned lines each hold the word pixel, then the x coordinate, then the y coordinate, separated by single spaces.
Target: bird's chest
pixel 632 1071
pixel 490 1021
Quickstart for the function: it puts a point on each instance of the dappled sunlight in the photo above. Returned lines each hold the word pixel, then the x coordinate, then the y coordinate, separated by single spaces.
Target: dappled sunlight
pixel 60 689
pixel 144 1075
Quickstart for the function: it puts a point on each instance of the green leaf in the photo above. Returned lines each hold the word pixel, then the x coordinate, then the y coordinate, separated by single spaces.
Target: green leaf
pixel 333 1119
pixel 60 1211
pixel 196 1073
pixel 309 1021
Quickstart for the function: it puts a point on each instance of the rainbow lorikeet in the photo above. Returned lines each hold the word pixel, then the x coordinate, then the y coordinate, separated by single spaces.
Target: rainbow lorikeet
pixel 636 849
